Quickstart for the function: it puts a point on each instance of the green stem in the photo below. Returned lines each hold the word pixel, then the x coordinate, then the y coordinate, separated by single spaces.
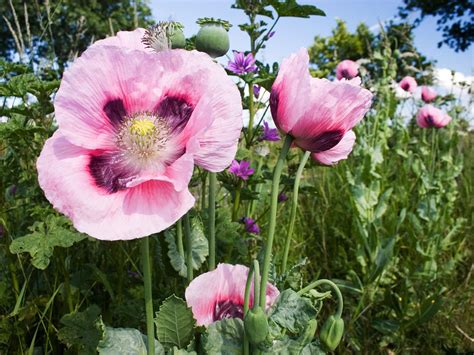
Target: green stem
pixel 146 265
pixel 273 212
pixel 340 301
pixel 235 208
pixel 179 237
pixel 203 192
pixel 246 308
pixel 256 284
pixel 189 247
pixel 251 116
pixel 294 207
pixel 258 187
pixel 212 220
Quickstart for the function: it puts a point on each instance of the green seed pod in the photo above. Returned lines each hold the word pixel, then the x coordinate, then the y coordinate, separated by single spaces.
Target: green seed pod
pixel 177 39
pixel 213 38
pixel 332 332
pixel 256 325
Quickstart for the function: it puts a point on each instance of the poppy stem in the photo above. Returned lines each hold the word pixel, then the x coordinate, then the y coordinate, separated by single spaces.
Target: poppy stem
pixel 256 284
pixel 189 247
pixel 235 208
pixel 150 328
pixel 212 220
pixel 179 237
pixel 340 300
pixel 273 212
pixel 294 207
pixel 246 308
pixel 251 116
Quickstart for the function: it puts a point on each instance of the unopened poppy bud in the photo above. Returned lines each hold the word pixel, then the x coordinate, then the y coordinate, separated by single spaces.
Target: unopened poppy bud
pixel 256 325
pixel 332 332
pixel 213 38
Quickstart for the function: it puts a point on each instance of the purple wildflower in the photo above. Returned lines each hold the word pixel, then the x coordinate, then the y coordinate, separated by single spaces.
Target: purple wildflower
pixel 133 274
pixel 282 197
pixel 250 225
pixel 269 134
pixel 256 91
pixel 270 35
pixel 242 64
pixel 242 169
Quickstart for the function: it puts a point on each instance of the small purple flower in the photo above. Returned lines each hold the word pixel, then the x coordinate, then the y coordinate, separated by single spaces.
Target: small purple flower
pixel 250 225
pixel 133 274
pixel 282 197
pixel 269 134
pixel 242 64
pixel 270 35
pixel 242 169
pixel 256 91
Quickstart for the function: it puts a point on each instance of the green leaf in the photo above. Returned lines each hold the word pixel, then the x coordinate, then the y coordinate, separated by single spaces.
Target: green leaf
pixel 384 255
pixel 44 237
pixel 290 8
pixel 224 337
pixel 200 247
pixel 80 329
pixel 125 341
pixel 174 323
pixel 291 311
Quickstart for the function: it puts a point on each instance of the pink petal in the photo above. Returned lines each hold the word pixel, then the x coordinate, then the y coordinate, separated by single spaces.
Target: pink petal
pixel 125 39
pixel 226 282
pixel 150 207
pixel 290 92
pixel 339 152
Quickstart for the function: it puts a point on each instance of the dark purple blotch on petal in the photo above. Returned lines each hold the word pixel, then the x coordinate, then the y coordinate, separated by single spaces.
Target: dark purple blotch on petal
pixel 115 111
pixel 430 121
pixel 323 141
pixel 227 309
pixel 108 172
pixel 274 101
pixel 176 110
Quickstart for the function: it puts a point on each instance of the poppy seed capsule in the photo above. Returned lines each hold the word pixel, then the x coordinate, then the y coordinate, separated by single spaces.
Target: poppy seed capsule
pixel 256 325
pixel 177 39
pixel 332 332
pixel 213 38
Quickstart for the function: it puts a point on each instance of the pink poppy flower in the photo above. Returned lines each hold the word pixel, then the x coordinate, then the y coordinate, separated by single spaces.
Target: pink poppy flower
pixel 428 94
pixel 347 69
pixel 219 294
pixel 408 84
pixel 317 113
pixel 132 124
pixel 432 117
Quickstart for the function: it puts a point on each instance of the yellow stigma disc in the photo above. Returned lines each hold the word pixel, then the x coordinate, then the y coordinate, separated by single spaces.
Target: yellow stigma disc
pixel 142 127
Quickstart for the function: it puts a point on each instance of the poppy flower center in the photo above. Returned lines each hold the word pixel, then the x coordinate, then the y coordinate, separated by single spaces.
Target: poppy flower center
pixel 227 309
pixel 143 135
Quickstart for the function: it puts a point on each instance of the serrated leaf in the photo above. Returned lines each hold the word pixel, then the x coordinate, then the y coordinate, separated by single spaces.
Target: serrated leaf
pixel 224 337
pixel 44 237
pixel 384 255
pixel 80 329
pixel 174 323
pixel 199 243
pixel 291 311
pixel 125 341
pixel 290 8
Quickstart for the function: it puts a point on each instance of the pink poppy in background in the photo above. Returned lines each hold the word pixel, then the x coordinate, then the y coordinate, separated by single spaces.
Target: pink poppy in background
pixel 317 113
pixel 408 84
pixel 132 124
pixel 219 294
pixel 428 94
pixel 432 117
pixel 347 69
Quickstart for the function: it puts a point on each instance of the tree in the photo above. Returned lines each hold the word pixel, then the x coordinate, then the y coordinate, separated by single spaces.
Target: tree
pixel 455 18
pixel 327 52
pixel 59 30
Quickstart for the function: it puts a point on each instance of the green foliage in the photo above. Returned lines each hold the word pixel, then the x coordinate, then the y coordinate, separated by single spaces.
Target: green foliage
pixel 200 248
pixel 174 323
pixel 82 329
pixel 224 337
pixel 44 237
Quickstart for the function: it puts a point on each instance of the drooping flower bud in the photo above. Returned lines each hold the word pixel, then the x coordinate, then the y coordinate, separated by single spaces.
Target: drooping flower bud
pixel 164 36
pixel 256 325
pixel 332 332
pixel 213 38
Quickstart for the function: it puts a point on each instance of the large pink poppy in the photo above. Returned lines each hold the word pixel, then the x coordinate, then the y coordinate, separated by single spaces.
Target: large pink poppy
pixel 219 294
pixel 317 113
pixel 347 69
pixel 432 117
pixel 132 124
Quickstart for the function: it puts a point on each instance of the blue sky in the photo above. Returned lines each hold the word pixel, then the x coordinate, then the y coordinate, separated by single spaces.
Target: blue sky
pixel 295 33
